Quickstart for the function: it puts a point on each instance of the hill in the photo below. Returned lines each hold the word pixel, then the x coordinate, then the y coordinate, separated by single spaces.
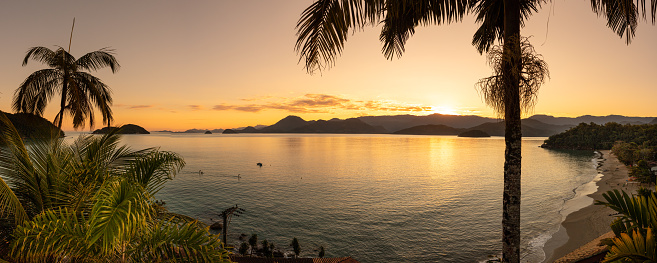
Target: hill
pixel 125 129
pixel 600 120
pixel 474 133
pixel 286 124
pixel 430 129
pixel 32 126
pixel 602 137
pixel 400 122
pixel 352 126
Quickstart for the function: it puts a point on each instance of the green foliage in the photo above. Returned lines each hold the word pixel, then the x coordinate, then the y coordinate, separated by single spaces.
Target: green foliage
pixel 93 201
pixel 642 171
pixel 295 246
pixel 602 137
pixel 634 241
pixel 244 247
pixel 265 248
pixel 625 152
pixel 253 241
pixel 321 252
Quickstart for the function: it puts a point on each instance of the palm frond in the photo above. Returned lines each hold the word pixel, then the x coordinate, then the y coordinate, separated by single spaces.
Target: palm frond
pixel 623 15
pixel 40 54
pixel 322 31
pixel 35 92
pixel 99 59
pixel 154 169
pixel 10 203
pixel 636 247
pixel 490 13
pixel 401 18
pixel 97 93
pixel 634 209
pixel 120 211
pixel 51 236
pixel 173 242
pixel 534 72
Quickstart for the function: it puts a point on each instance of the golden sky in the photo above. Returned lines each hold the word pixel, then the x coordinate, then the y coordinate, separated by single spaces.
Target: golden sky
pixel 225 64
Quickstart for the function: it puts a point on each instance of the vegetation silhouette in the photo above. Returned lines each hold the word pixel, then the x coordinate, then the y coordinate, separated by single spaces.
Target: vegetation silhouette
pixel 80 91
pixel 324 27
pixel 93 200
pixel 295 247
pixel 591 136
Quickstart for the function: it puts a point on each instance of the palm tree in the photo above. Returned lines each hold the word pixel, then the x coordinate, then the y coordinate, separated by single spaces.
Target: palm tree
pixel 324 27
pixel 80 91
pixel 93 200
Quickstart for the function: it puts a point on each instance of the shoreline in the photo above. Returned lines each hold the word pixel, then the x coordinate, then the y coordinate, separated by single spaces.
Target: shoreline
pixel 591 221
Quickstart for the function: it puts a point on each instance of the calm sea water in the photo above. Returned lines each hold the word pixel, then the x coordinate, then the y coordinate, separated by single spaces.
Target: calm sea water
pixel 377 198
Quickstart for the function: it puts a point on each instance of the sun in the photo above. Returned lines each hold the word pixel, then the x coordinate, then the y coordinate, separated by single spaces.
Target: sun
pixel 445 110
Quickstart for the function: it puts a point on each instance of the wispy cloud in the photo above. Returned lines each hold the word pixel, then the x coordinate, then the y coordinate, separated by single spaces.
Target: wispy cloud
pixel 133 107
pixel 195 107
pixel 321 103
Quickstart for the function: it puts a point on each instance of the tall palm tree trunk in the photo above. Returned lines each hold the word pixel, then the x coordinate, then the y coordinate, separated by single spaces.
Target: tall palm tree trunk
pixel 62 104
pixel 513 134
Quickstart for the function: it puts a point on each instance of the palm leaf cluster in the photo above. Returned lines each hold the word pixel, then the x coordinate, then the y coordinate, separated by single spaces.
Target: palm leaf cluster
pixel 534 71
pixel 634 228
pixel 80 91
pixel 325 25
pixel 93 201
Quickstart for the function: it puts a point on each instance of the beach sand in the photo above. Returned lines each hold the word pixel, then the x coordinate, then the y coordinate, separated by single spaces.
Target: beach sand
pixel 588 223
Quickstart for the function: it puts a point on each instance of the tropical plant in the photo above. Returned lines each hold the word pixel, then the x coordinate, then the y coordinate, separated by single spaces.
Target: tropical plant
pixel 265 248
pixel 93 200
pixel 295 247
pixel 80 91
pixel 324 27
pixel 244 247
pixel 634 228
pixel 253 242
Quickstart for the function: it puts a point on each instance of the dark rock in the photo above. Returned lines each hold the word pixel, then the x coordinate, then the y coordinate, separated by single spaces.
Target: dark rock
pixel 216 226
pixel 208 132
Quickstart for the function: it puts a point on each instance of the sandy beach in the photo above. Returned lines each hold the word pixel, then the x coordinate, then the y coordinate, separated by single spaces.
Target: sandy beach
pixel 588 223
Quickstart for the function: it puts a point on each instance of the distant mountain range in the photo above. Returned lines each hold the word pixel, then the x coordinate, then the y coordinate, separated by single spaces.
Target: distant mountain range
pixel 435 124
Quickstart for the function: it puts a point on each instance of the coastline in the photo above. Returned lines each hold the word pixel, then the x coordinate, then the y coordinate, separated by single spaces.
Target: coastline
pixel 592 221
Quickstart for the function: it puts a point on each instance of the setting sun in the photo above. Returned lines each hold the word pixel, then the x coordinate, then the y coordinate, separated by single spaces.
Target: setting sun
pixel 445 110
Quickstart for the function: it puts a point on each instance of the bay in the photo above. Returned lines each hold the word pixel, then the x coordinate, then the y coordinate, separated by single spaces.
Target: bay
pixel 376 198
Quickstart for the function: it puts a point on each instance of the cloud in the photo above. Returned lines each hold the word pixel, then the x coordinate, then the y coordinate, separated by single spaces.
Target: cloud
pixel 321 103
pixel 135 107
pixel 195 107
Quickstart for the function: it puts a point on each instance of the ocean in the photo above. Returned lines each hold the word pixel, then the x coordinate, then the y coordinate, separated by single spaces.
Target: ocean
pixel 376 198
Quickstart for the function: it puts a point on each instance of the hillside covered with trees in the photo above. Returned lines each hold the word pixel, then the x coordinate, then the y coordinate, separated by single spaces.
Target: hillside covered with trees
pixel 602 137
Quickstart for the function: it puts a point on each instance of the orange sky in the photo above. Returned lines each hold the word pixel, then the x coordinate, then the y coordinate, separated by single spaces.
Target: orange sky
pixel 224 64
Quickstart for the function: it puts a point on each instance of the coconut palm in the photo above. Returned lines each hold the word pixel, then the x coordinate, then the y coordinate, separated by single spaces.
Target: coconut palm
pixel 324 27
pixel 93 200
pixel 80 91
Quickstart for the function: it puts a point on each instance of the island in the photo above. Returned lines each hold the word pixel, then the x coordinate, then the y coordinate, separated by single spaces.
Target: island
pixel 474 133
pixel 125 129
pixel 32 126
